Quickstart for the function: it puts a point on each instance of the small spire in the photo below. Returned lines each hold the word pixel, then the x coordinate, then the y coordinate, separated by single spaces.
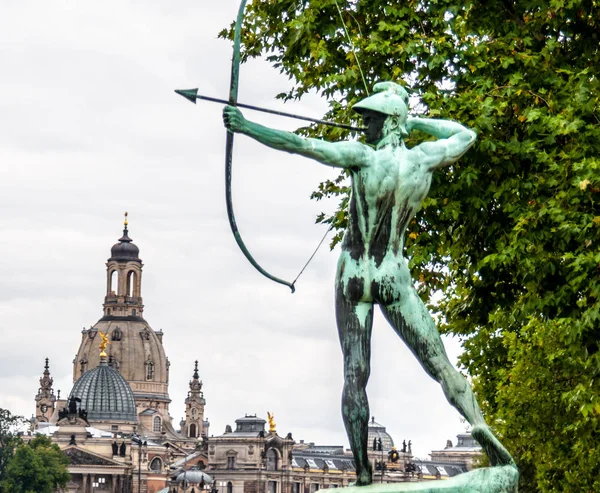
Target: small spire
pixel 58 394
pixel 196 376
pixel 46 367
pixel 125 238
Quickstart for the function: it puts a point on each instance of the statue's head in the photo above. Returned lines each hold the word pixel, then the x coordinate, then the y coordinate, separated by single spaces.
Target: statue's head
pixel 387 107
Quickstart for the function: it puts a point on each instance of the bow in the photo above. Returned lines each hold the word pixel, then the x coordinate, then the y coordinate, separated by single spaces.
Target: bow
pixel 233 94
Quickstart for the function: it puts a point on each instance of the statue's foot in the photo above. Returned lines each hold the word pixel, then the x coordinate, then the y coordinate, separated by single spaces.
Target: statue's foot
pixel 364 478
pixel 498 455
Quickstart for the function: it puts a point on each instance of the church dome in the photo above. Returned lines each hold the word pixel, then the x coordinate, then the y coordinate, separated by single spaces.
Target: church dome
pixel 125 249
pixel 195 476
pixel 105 395
pixel 377 432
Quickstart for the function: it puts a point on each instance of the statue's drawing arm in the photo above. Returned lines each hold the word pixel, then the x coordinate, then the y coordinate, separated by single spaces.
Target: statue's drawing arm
pixel 338 154
pixel 454 141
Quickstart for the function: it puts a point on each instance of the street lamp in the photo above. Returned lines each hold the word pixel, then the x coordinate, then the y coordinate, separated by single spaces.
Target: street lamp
pixel 138 440
pixel 214 486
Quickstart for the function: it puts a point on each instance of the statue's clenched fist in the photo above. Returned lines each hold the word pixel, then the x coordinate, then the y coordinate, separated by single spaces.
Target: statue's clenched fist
pixel 233 118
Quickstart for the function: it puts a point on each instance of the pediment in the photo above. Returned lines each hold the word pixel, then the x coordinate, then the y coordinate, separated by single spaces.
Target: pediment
pixel 274 441
pixel 80 457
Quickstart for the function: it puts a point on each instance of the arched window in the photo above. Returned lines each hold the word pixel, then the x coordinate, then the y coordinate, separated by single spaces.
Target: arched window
pixel 193 431
pixel 272 457
pixel 156 424
pixel 149 370
pixel 229 487
pixel 131 282
pixel 114 282
pixel 156 464
pixel 117 335
pixel 83 363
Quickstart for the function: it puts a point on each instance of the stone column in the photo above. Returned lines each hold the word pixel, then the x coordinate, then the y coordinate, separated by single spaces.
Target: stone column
pixel 113 483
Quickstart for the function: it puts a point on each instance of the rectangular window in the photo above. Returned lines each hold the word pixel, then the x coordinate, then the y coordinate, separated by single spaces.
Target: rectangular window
pixel 296 487
pixel 272 486
pixel 314 487
pixel 114 427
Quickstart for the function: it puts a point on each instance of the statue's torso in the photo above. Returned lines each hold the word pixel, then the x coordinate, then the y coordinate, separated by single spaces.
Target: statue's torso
pixel 386 195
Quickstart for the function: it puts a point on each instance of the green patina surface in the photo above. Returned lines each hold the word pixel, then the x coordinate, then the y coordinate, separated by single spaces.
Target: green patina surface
pixel 501 479
pixel 389 183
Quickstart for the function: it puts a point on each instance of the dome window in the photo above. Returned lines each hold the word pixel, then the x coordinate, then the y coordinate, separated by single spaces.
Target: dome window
pixel 156 424
pixel 149 370
pixel 117 335
pixel 193 431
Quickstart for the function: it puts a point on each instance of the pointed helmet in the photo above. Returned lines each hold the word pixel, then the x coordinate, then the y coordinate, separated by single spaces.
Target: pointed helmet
pixel 388 98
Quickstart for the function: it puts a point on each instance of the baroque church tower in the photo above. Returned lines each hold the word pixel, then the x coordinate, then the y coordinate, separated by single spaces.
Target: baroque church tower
pixel 45 400
pixel 194 425
pixel 134 348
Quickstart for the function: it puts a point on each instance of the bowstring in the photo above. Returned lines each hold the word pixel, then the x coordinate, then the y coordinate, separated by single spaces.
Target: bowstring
pixel 352 47
pixel 314 253
pixel 362 75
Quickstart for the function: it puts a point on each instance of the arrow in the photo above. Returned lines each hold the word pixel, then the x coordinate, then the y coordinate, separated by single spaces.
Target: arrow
pixel 192 95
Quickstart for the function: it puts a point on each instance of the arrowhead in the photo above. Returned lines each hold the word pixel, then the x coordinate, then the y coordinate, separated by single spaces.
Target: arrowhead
pixel 189 94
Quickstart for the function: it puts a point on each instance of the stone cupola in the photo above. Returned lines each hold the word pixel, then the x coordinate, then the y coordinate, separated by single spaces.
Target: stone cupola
pixel 124 279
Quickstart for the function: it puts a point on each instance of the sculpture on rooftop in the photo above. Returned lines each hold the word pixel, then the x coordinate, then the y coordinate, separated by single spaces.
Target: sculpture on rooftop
pixel 271 419
pixel 103 343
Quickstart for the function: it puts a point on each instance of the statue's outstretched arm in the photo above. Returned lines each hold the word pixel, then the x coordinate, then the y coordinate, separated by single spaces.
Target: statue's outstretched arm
pixel 339 154
pixel 454 140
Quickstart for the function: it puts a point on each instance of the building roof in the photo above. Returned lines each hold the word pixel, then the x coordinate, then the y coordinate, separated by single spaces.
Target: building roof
pixel 105 395
pixel 125 250
pixel 377 432
pixel 248 426
pixel 433 468
pixel 313 462
pixel 195 476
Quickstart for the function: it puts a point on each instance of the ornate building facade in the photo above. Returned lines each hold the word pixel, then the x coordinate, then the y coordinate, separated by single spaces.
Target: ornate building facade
pixel 117 432
pixel 115 425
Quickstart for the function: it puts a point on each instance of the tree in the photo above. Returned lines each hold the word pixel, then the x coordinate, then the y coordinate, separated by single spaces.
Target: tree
pixel 9 438
pixel 36 467
pixel 511 234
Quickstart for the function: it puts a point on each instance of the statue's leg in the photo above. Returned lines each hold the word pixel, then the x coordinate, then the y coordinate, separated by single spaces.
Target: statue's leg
pixel 355 321
pixel 412 321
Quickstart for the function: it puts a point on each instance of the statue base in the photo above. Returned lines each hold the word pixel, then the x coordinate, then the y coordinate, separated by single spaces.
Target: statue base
pixel 499 479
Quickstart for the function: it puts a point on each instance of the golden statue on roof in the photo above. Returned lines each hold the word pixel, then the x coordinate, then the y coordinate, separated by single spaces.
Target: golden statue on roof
pixel 271 419
pixel 103 343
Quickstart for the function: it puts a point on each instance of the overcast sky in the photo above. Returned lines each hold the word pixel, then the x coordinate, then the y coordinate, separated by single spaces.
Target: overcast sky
pixel 90 128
